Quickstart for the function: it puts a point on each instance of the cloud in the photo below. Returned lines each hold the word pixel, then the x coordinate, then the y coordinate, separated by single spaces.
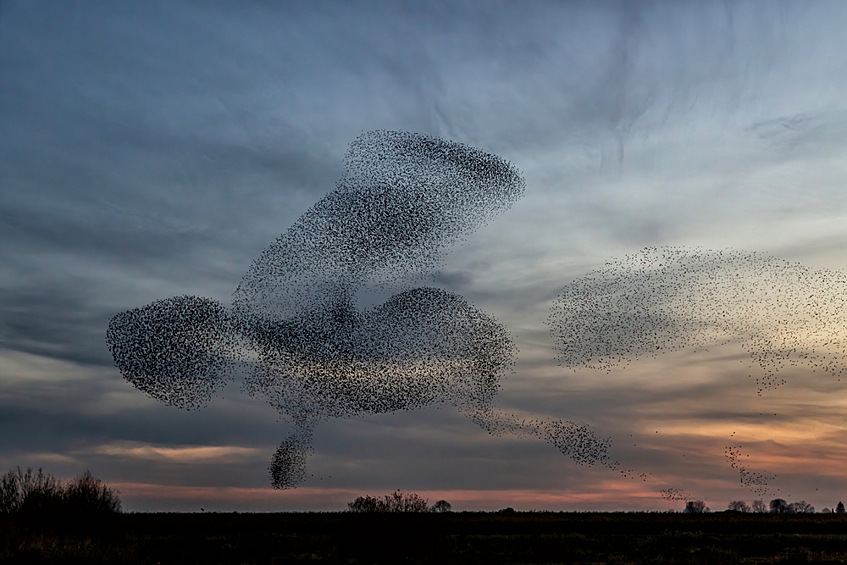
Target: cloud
pixel 185 454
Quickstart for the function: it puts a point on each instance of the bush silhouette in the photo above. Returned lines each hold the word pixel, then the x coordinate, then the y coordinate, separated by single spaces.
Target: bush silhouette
pixel 395 502
pixel 38 494
pixel 28 492
pixel 88 494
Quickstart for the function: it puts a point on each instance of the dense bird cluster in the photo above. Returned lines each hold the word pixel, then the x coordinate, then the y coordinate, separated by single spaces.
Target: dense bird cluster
pixel 404 199
pixel 296 335
pixel 178 350
pixel 664 299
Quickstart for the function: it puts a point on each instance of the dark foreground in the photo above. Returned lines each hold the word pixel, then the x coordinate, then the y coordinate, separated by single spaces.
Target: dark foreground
pixel 534 537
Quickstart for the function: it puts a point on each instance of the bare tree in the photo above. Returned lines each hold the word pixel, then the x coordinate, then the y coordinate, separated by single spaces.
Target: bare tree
pixel 738 506
pixel 695 507
pixel 394 502
pixel 759 506
pixel 364 504
pixel 408 502
pixel 801 507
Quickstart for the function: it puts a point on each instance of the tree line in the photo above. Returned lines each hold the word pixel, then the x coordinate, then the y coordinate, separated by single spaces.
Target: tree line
pixel 397 502
pixel 411 502
pixel 776 506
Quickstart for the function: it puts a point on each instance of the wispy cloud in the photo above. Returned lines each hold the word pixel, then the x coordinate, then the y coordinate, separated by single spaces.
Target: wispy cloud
pixel 183 454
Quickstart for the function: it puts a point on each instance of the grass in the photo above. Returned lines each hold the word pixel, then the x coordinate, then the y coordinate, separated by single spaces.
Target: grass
pixel 459 537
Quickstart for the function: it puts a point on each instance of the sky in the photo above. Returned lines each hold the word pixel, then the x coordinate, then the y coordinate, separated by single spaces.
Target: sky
pixel 156 149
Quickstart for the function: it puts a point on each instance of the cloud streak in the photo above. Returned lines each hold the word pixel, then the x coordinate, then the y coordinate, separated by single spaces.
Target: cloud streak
pixel 196 454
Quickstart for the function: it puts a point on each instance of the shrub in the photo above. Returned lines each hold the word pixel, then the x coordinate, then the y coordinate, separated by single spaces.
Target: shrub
pixel 89 494
pixel 395 502
pixel 26 492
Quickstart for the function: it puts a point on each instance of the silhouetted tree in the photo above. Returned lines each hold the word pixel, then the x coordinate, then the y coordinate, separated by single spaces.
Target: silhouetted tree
pixel 801 507
pixel 695 507
pixel 410 502
pixel 840 508
pixel 738 506
pixel 759 506
pixel 364 504
pixel 779 506
pixel 394 502
pixel 441 506
pixel 826 510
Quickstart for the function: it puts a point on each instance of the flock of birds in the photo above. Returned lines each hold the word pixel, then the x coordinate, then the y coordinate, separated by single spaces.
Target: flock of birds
pixel 675 494
pixel 664 299
pixel 294 332
pixel 758 483
pixel 298 340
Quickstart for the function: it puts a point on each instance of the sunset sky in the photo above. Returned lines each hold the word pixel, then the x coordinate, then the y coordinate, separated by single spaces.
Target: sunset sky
pixel 154 149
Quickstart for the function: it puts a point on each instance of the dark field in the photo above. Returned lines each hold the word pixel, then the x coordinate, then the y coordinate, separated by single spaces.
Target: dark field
pixel 460 537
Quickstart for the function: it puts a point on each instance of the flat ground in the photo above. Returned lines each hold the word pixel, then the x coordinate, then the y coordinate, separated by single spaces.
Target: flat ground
pixel 459 537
